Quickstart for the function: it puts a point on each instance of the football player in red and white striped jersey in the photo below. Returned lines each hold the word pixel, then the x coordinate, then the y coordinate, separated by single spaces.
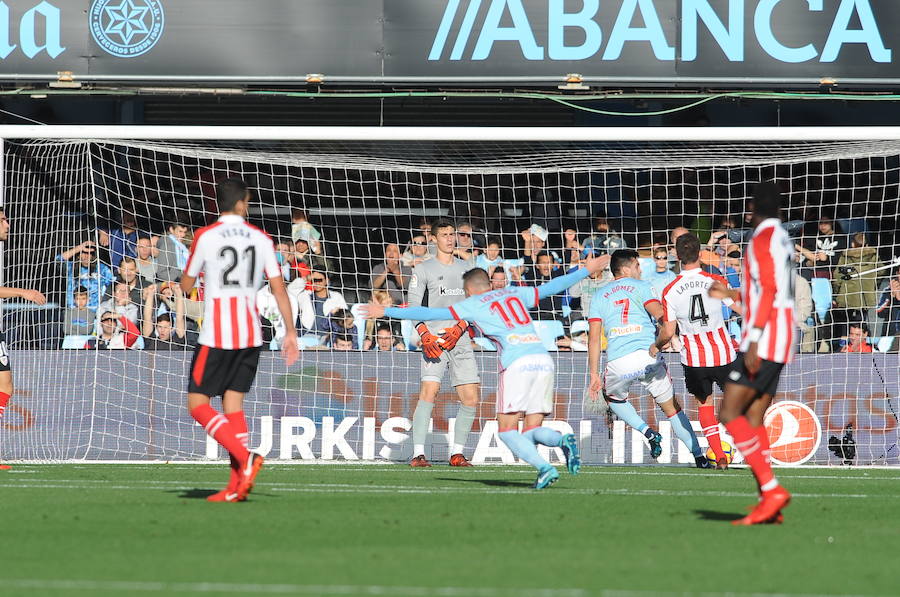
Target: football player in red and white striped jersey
pixel 232 256
pixel 767 341
pixel 707 348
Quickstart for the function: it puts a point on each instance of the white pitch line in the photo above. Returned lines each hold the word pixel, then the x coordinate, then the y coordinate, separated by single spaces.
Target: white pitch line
pixel 634 593
pixel 282 589
pixel 390 489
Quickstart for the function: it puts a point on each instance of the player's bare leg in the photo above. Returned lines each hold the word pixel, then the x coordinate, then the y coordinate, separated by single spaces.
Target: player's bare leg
pixel 6 390
pixel 468 397
pixel 741 408
pixel 428 391
pixel 710 425
pixel 681 426
pixel 524 448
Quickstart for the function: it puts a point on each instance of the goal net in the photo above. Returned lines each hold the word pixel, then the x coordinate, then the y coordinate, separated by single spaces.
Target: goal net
pixel 354 210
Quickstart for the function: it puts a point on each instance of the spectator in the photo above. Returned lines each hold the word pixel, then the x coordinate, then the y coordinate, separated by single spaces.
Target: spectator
pixel 889 307
pixel 499 279
pixel 283 252
pixel 173 254
pixel 392 275
pixel 145 261
pixel 121 303
pixel 301 228
pixel 318 305
pixel 304 260
pixel 425 230
pixel 122 241
pixel 551 306
pixel 856 338
pixel 465 244
pixel 572 248
pixel 587 288
pixel 343 343
pixel 822 250
pixel 416 252
pixel 384 339
pixel 128 274
pixel 380 297
pixel 160 332
pixel 859 293
pixel 491 260
pixel 344 324
pixel 193 310
pixel 269 311
pixel 803 309
pixel 660 276
pixel 88 273
pixel 79 320
pixel 535 240
pixel 116 332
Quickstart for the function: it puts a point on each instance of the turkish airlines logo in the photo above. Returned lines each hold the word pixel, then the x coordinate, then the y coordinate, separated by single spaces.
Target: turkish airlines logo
pixel 794 432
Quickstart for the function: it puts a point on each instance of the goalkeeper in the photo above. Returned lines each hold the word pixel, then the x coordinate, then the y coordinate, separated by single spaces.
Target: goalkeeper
pixel 438 282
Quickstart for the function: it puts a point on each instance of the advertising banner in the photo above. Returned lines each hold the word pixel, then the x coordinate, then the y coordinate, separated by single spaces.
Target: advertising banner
pixel 638 42
pixel 117 405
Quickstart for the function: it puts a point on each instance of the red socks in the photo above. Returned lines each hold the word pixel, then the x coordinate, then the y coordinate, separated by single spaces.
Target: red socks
pixel 218 427
pixel 239 425
pixel 4 400
pixel 747 440
pixel 710 426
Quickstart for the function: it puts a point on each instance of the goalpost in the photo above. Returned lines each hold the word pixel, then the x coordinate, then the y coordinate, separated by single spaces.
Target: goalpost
pixel 364 187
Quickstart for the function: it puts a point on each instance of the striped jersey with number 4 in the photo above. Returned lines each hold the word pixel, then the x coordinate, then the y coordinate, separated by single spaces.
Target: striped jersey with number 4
pixel 232 255
pixel 767 291
pixel 704 337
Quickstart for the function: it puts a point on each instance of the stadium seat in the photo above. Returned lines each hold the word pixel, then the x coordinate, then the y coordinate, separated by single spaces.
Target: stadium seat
pixel 75 341
pixel 549 331
pixel 821 296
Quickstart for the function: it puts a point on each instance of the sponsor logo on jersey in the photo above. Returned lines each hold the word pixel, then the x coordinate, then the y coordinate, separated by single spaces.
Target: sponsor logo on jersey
pixel 444 291
pixel 523 339
pixel 625 330
pixel 794 432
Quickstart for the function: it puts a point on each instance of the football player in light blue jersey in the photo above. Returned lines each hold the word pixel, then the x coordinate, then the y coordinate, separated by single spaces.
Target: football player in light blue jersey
pixel 526 369
pixel 626 308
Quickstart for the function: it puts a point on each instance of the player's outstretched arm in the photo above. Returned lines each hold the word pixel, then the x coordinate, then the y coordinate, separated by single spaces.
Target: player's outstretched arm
pixel 373 311
pixel 289 350
pixel 23 293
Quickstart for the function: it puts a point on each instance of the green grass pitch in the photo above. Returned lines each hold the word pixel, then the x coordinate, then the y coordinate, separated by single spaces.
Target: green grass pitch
pixel 93 529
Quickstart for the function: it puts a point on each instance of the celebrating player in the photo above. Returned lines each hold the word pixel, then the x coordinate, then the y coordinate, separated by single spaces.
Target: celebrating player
pixel 232 255
pixel 6 382
pixel 767 342
pixel 442 279
pixel 707 350
pixel 625 307
pixel 527 371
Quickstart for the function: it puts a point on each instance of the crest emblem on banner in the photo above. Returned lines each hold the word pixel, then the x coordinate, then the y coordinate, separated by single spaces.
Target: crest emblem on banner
pixel 794 432
pixel 126 28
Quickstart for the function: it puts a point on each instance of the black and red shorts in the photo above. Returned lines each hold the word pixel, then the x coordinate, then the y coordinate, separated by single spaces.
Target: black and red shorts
pixel 699 380
pixel 215 370
pixel 764 382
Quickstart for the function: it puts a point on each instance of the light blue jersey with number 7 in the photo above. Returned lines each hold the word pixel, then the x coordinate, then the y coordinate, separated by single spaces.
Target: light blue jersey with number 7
pixel 622 307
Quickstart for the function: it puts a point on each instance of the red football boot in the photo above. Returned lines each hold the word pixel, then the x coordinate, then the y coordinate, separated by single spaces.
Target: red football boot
pixel 769 508
pixel 419 462
pixel 459 460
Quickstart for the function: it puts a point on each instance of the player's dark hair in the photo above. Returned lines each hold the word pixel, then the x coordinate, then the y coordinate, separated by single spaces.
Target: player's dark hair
pixel 477 277
pixel 860 325
pixel 687 247
pixel 229 192
pixel 766 200
pixel 164 317
pixel 498 269
pixel 621 258
pixel 384 326
pixel 442 223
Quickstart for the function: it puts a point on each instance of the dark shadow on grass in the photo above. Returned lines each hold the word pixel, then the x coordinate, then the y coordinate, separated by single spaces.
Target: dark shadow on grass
pixel 202 494
pixel 713 515
pixel 489 482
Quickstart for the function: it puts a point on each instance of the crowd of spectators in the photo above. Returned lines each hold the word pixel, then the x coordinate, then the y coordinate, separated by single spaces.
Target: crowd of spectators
pixel 121 288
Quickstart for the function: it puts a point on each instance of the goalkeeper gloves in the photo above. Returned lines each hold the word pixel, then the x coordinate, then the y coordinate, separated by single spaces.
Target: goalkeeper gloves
pixel 452 335
pixel 430 345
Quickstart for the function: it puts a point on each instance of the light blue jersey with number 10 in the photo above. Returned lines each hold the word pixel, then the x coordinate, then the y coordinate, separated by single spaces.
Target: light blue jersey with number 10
pixel 621 306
